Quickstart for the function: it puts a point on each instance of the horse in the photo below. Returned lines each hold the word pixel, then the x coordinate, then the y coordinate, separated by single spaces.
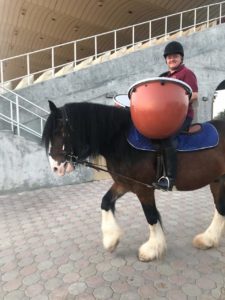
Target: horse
pixel 76 131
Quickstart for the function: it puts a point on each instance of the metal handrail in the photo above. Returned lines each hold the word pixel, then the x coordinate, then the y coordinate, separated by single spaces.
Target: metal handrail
pixel 115 48
pixel 16 107
pixel 24 99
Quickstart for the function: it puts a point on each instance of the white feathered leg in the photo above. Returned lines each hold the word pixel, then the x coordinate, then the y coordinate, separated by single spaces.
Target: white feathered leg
pixel 210 238
pixel 155 247
pixel 110 230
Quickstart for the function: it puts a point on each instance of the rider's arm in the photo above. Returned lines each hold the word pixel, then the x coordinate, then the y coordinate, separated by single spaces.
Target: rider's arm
pixel 191 79
pixel 194 97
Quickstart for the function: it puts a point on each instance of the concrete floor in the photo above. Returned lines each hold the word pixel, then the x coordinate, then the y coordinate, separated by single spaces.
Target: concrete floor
pixel 50 247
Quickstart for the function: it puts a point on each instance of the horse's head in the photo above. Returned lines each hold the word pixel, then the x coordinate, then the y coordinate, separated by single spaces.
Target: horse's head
pixel 55 137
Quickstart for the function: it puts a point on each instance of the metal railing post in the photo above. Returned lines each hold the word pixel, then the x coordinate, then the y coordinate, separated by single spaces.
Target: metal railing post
pixel 165 28
pixel 96 46
pixel 181 21
pixel 42 125
pixel 53 61
pixel 28 69
pixel 75 53
pixel 17 115
pixel 150 31
pixel 207 16
pixel 115 41
pixel 11 115
pixel 133 36
pixel 195 17
pixel 2 78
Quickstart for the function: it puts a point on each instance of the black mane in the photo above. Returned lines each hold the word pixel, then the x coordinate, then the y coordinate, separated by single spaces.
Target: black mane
pixel 94 128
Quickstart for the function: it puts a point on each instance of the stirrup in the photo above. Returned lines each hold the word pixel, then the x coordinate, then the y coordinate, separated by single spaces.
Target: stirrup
pixel 163 184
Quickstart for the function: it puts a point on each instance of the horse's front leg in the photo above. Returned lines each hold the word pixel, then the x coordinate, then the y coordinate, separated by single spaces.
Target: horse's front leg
pixel 111 232
pixel 155 247
pixel 211 236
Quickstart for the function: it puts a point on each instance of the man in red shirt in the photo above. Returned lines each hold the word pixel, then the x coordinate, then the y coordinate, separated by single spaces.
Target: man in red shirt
pixel 174 55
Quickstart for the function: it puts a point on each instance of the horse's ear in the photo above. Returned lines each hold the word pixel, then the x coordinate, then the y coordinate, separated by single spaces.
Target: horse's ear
pixel 52 106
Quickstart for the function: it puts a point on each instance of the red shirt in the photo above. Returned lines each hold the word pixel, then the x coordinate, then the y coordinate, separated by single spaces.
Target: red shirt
pixel 184 74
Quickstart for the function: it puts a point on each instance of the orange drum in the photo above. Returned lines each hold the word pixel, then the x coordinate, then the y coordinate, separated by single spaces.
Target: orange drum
pixel 159 106
pixel 122 100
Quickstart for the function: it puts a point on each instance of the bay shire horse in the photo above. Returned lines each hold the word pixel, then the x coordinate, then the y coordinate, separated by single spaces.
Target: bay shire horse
pixel 82 130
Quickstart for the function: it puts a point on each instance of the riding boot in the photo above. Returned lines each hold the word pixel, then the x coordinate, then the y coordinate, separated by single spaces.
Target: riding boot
pixel 166 183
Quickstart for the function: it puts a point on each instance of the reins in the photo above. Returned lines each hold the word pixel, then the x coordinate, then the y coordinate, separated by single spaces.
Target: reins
pixel 104 169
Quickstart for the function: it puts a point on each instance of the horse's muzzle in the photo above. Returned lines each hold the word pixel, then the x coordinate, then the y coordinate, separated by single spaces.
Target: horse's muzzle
pixel 69 167
pixel 62 168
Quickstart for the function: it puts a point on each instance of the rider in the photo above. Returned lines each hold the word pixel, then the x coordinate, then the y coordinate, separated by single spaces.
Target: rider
pixel 174 54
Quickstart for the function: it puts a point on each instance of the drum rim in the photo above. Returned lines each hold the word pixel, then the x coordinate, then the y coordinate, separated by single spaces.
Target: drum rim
pixel 167 79
pixel 116 101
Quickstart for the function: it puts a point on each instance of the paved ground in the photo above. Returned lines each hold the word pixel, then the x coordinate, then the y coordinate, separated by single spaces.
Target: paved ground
pixel 50 248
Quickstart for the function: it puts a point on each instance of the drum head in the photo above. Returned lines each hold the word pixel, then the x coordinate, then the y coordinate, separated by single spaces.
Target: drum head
pixel 162 80
pixel 122 100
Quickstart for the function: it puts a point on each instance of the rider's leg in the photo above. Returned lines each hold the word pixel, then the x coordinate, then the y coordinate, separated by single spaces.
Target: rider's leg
pixel 170 161
pixel 186 124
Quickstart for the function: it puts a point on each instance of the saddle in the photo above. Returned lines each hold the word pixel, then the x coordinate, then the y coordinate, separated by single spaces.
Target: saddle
pixel 199 137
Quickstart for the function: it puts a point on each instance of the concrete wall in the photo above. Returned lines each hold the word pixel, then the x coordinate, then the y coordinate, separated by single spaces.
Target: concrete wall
pixel 24 166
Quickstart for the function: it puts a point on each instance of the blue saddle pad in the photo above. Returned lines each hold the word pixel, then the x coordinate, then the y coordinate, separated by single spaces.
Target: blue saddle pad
pixel 205 138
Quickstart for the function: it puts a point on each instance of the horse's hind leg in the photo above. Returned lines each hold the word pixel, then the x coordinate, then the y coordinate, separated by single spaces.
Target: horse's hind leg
pixel 210 238
pixel 111 232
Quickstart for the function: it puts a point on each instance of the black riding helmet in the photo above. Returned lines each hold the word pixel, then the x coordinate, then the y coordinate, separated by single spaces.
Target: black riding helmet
pixel 173 48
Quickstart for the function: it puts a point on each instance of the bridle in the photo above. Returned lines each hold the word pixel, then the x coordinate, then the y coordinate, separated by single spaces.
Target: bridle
pixel 72 158
pixel 69 154
pixel 67 150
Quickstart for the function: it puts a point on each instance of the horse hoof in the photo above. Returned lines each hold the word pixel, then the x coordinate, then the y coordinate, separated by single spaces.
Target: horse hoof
pixel 148 253
pixel 203 242
pixel 146 256
pixel 111 246
pixel 111 241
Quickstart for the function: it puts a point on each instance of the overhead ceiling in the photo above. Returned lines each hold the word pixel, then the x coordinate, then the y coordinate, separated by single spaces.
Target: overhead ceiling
pixel 28 25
